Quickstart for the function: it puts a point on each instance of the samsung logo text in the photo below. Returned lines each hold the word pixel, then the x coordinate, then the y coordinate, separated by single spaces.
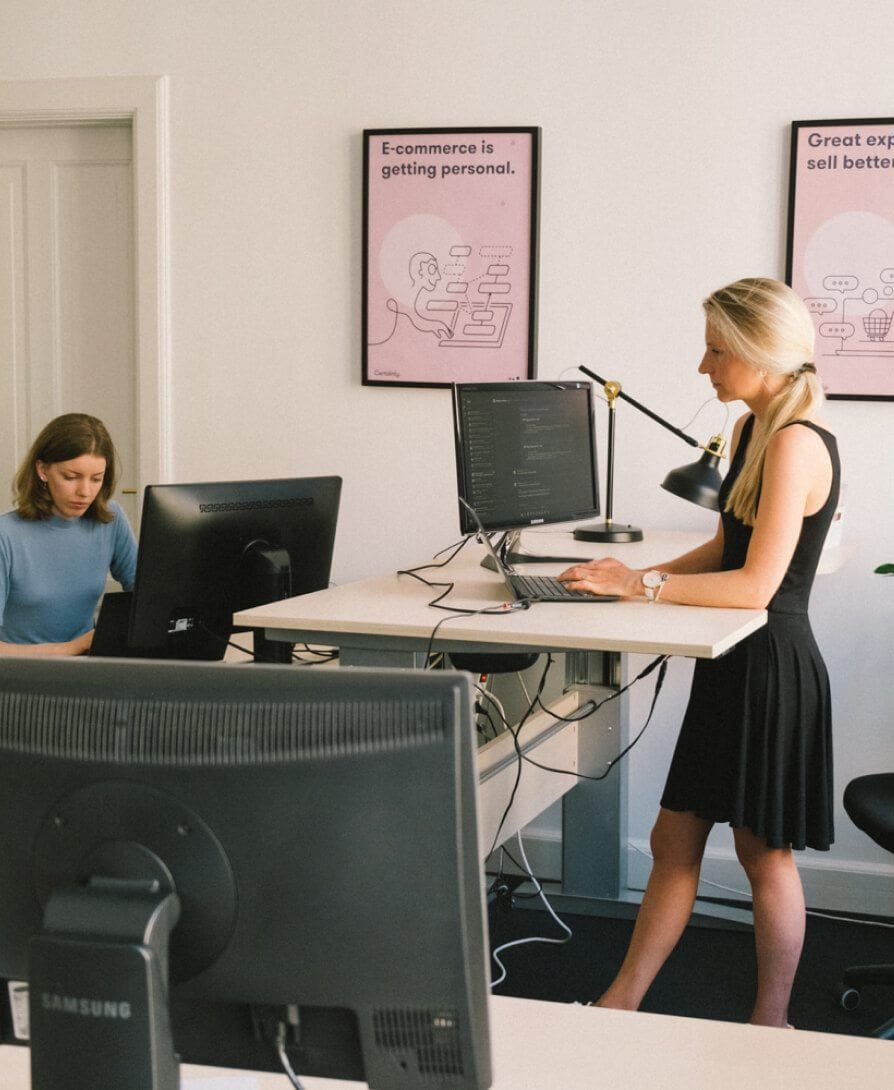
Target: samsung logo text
pixel 85 1008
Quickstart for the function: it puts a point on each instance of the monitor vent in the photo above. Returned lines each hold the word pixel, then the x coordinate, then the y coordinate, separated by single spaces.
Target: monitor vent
pixel 431 1038
pixel 256 505
pixel 172 732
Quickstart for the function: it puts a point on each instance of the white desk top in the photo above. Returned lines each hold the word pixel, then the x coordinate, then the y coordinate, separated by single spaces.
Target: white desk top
pixel 554 1046
pixel 396 608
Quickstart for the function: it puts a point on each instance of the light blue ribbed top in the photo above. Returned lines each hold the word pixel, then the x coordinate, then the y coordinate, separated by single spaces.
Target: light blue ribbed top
pixel 53 572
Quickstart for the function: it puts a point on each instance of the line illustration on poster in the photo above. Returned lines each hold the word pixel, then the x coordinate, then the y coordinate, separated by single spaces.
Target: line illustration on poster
pixel 466 311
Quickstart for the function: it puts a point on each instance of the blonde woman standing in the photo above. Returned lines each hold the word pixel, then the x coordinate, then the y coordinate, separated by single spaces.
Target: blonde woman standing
pixel 754 748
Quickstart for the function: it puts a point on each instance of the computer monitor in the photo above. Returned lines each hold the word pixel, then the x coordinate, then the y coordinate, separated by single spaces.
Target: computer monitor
pixel 208 550
pixel 525 453
pixel 315 829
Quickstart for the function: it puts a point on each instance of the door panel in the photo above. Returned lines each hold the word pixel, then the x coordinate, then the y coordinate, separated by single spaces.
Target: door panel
pixel 14 424
pixel 67 289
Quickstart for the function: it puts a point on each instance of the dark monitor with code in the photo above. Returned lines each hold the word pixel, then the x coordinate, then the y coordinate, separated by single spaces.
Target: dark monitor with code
pixel 525 453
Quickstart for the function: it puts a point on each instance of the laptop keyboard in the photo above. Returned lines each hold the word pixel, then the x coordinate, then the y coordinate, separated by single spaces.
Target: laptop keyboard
pixel 544 586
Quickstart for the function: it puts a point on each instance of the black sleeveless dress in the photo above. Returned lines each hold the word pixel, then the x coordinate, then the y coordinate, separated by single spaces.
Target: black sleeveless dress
pixel 755 747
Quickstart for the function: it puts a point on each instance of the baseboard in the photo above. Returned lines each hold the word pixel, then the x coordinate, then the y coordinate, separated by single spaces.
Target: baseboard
pixel 829 885
pixel 543 850
pixel 833 886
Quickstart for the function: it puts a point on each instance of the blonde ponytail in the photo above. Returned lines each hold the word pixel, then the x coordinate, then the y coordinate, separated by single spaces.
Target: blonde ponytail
pixel 766 324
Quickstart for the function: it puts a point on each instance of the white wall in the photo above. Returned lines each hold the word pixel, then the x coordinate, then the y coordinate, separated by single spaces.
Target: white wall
pixel 665 140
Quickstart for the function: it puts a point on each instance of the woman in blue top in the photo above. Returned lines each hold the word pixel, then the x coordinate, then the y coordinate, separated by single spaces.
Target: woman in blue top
pixel 61 540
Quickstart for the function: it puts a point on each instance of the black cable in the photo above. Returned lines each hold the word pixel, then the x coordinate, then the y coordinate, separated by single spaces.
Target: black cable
pixel 506 607
pixel 593 706
pixel 611 764
pixel 524 874
pixel 482 711
pixel 518 750
pixel 457 549
pixel 583 713
pixel 454 611
pixel 325 656
pixel 661 661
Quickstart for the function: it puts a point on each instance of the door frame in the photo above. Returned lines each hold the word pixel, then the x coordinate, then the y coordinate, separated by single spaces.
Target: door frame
pixel 143 101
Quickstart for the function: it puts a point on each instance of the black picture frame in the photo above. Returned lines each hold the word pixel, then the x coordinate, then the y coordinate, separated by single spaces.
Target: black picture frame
pixel 840 250
pixel 450 255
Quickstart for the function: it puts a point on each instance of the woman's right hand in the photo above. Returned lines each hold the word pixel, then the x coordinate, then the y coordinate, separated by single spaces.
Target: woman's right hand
pixel 80 645
pixel 604 576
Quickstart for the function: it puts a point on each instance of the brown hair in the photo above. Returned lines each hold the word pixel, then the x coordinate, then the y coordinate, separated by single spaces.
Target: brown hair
pixel 68 436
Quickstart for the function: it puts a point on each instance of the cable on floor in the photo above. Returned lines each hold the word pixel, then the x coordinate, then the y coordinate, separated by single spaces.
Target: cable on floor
pixel 495 954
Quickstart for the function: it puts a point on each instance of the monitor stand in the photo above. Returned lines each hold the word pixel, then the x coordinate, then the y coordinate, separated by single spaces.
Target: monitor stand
pixel 267 570
pixel 507 548
pixel 99 988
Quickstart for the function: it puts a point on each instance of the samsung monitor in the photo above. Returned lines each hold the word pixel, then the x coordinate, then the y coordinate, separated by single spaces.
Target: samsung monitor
pixel 209 550
pixel 525 453
pixel 241 866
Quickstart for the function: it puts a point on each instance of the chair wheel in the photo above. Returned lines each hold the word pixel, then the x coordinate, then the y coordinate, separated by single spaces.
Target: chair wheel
pixel 848 997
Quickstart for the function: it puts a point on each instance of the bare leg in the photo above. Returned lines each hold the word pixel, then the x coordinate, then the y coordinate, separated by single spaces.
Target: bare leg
pixel 779 921
pixel 678 843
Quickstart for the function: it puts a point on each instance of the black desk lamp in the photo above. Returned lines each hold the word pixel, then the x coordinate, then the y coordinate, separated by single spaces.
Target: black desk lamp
pixel 699 482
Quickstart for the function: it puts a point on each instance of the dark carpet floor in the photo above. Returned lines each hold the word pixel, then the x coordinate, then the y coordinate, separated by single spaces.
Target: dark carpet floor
pixel 709 975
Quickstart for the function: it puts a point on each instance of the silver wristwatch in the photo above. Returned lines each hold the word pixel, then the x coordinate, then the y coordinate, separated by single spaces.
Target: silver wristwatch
pixel 653 581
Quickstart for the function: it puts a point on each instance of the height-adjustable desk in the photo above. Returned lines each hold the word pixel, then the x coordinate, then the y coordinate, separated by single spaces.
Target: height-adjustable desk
pixel 386 621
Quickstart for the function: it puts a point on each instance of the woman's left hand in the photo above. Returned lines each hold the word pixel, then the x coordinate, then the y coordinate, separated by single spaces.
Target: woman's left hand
pixel 605 576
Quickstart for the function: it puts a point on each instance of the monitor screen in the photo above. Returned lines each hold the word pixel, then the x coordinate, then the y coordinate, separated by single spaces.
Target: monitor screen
pixel 257 863
pixel 525 453
pixel 208 550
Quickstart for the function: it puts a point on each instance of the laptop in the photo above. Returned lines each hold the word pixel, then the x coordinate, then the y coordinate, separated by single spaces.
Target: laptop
pixel 111 629
pixel 532 588
pixel 110 633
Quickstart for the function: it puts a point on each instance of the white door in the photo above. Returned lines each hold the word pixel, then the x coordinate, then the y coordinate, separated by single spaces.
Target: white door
pixel 67 302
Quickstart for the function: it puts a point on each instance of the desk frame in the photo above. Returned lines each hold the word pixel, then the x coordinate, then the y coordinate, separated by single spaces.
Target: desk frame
pixel 387 622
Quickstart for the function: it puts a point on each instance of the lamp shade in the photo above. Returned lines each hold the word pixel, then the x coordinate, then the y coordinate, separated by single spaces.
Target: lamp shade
pixel 699 482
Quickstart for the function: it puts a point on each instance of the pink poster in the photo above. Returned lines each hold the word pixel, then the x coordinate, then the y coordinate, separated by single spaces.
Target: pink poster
pixel 449 255
pixel 841 250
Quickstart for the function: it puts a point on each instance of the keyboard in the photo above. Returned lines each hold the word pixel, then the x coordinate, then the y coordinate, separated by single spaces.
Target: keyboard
pixel 546 588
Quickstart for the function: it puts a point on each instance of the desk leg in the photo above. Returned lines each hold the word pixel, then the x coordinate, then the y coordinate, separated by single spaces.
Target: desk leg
pixel 594 815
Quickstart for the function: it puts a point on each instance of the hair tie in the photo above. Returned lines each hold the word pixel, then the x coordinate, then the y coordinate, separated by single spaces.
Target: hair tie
pixel 807 368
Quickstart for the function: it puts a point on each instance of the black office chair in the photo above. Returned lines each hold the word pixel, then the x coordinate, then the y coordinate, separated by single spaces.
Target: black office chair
pixel 869 802
pixel 496 662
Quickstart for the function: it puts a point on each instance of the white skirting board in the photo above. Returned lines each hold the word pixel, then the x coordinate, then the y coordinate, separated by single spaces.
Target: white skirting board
pixel 829 887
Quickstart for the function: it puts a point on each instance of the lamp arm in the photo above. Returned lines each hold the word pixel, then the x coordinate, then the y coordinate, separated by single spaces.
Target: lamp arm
pixel 642 408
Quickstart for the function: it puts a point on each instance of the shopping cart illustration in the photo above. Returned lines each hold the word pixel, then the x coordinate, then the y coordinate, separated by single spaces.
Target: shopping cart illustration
pixel 876 325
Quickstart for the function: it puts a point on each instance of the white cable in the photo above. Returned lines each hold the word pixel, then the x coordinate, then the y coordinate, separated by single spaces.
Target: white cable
pixel 494 700
pixel 501 711
pixel 747 896
pixel 699 410
pixel 284 1059
pixel 532 938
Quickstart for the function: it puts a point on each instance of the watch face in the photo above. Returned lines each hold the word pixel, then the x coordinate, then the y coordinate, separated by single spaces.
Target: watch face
pixel 652 579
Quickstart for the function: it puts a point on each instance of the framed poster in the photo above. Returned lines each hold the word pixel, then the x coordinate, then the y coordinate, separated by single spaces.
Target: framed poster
pixel 840 255
pixel 450 230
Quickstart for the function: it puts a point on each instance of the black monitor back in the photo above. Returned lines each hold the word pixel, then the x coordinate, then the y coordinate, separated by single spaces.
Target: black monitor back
pixel 208 550
pixel 319 830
